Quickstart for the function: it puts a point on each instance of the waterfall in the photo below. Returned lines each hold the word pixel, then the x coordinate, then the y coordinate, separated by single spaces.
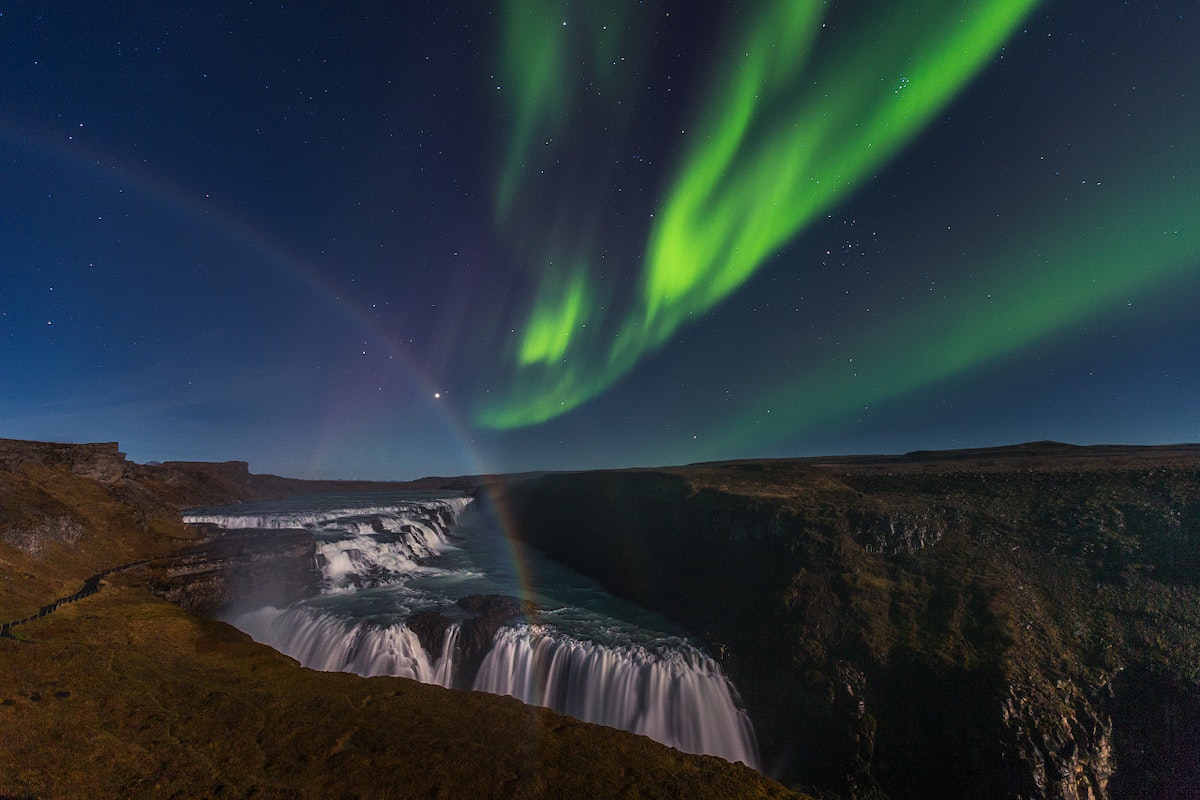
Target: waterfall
pixel 443 672
pixel 676 696
pixel 328 643
pixel 441 513
pixel 372 559
pixel 357 546
pixel 383 562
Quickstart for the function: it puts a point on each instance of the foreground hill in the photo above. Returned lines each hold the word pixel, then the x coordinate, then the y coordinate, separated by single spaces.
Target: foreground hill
pixel 1021 622
pixel 123 694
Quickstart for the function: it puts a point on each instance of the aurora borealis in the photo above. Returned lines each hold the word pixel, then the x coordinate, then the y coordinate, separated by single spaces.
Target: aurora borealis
pixel 383 242
pixel 786 133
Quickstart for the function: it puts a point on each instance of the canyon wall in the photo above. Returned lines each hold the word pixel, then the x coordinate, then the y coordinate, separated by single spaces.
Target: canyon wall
pixel 1013 623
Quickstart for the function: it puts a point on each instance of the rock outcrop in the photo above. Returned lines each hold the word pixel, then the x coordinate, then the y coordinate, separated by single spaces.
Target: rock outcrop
pixel 249 568
pixel 34 536
pixel 482 615
pixel 102 461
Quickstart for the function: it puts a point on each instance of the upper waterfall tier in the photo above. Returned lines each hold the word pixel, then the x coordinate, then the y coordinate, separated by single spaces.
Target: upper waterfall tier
pixel 307 513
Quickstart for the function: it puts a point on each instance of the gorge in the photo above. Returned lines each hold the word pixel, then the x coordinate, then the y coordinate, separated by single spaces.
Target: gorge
pixel 123 694
pixel 1014 622
pixel 397 565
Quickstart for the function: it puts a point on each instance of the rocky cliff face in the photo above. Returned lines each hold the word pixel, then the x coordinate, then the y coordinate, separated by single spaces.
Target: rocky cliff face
pixel 248 568
pixel 35 535
pixel 1019 623
pixel 101 461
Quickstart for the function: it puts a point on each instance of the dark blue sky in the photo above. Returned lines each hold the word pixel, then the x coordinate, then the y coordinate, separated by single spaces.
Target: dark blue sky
pixel 280 233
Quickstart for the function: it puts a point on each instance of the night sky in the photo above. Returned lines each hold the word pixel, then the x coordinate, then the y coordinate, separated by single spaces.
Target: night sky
pixel 387 240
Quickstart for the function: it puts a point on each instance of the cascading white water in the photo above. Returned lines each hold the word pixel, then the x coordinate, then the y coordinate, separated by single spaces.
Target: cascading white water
pixel 676 696
pixel 382 562
pixel 396 514
pixel 360 546
pixel 324 642
pixel 443 669
pixel 331 644
pixel 375 558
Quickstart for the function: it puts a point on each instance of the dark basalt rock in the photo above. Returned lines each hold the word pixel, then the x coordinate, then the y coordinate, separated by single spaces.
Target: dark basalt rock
pixel 487 612
pixel 1156 735
pixel 250 568
pixel 494 607
pixel 430 627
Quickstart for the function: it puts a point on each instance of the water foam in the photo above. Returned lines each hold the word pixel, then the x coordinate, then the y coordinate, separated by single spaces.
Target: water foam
pixel 676 696
pixel 332 644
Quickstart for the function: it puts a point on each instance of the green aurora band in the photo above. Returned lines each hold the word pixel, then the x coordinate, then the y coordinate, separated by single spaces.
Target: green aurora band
pixel 1134 240
pixel 536 65
pixel 794 122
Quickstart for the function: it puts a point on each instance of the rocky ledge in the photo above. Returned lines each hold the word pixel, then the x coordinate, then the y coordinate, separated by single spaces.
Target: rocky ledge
pixel 250 568
pixel 482 615
pixel 101 461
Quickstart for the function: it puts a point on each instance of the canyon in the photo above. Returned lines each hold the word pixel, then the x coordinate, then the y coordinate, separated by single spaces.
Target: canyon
pixel 123 693
pixel 1019 622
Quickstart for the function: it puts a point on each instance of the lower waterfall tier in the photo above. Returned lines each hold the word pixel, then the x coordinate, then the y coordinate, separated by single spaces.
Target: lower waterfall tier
pixel 673 694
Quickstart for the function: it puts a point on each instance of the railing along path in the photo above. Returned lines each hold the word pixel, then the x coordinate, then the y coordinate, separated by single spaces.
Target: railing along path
pixel 90 587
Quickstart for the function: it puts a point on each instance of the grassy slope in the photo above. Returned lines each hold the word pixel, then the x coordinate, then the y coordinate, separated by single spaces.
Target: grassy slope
pixel 119 523
pixel 124 695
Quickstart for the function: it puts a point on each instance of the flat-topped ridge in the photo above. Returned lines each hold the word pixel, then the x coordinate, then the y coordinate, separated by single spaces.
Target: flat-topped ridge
pixel 102 461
